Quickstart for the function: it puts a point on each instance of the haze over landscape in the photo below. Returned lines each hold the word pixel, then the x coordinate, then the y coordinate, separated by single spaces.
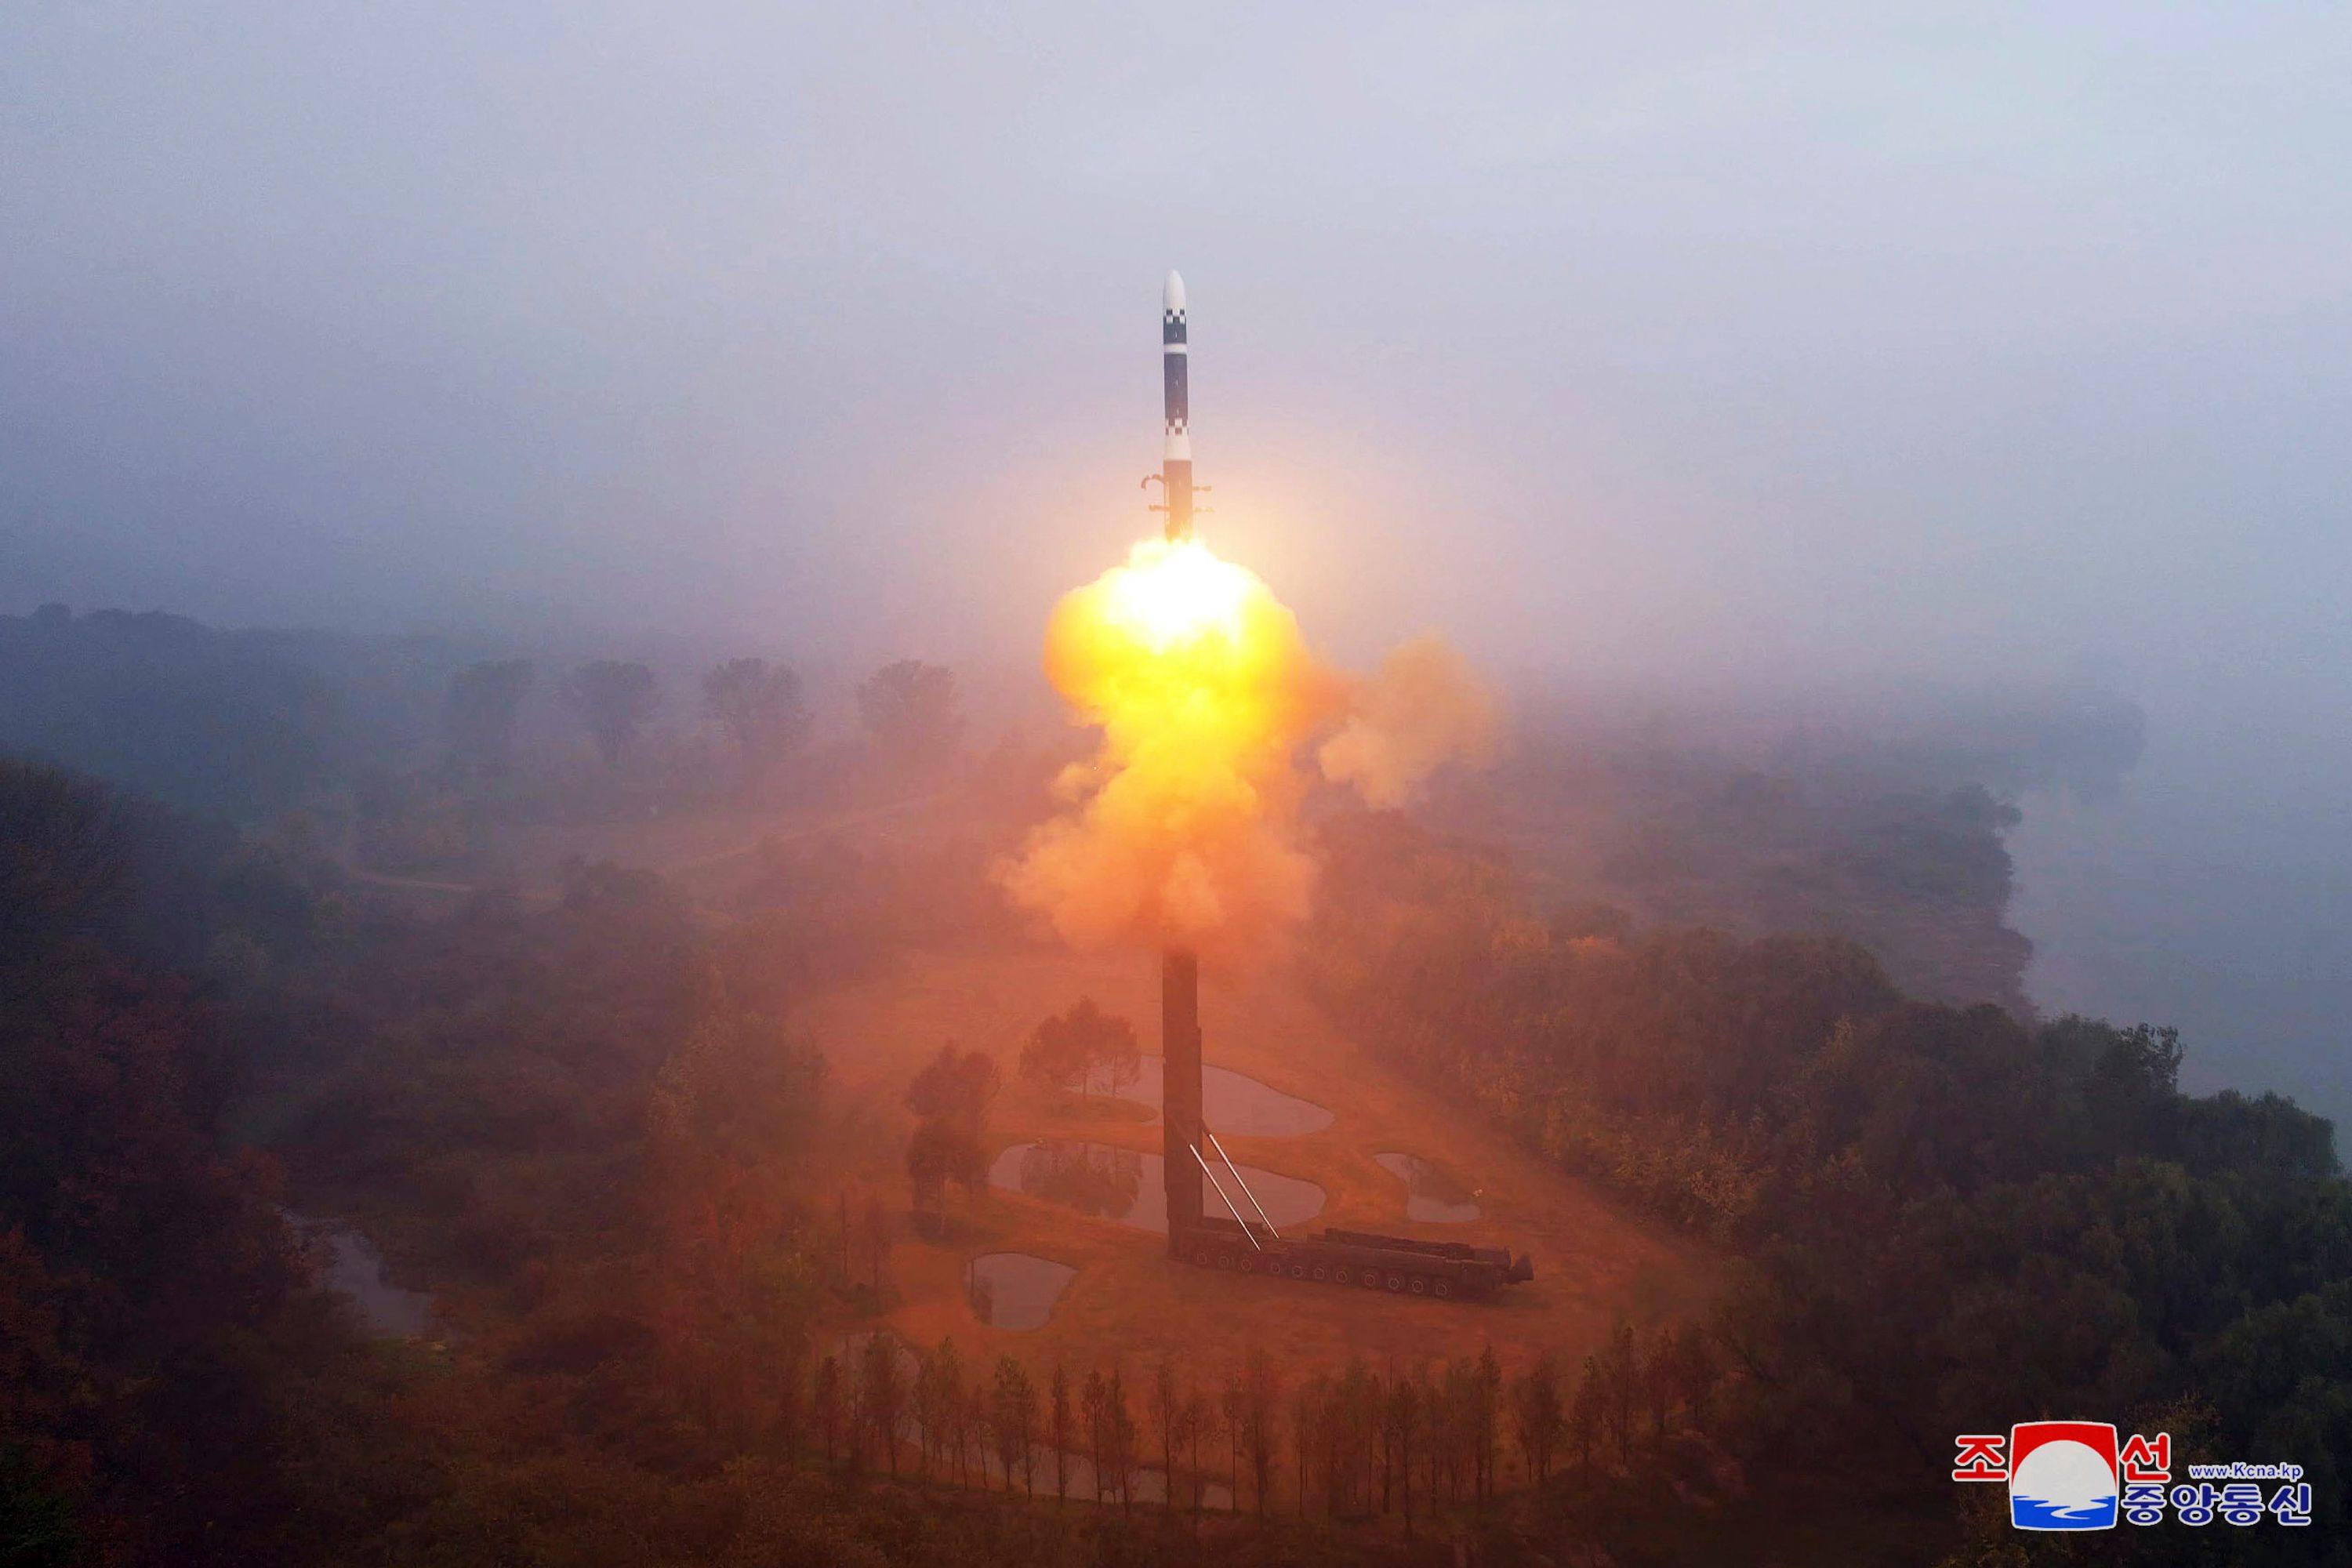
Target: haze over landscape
pixel 1817 551
pixel 1625 350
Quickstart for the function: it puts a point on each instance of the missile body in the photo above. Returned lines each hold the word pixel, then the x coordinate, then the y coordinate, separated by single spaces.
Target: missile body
pixel 1176 449
pixel 1184 1149
pixel 1182 1161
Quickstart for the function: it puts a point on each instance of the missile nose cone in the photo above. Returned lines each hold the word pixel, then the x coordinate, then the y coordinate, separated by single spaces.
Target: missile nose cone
pixel 1171 295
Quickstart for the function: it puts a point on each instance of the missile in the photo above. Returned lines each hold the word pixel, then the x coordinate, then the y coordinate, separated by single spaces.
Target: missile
pixel 1179 972
pixel 1176 448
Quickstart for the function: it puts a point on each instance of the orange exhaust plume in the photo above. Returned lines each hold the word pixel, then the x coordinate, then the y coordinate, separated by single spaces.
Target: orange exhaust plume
pixel 1422 711
pixel 1183 828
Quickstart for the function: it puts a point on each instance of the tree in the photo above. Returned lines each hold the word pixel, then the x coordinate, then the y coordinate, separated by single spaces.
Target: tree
pixel 923 1404
pixel 1621 1382
pixel 1659 1378
pixel 758 705
pixel 909 710
pixel 956 1085
pixel 231 725
pixel 1454 1433
pixel 1060 1427
pixel 1261 1395
pixel 937 1403
pixel 973 1432
pixel 147 1273
pixel 1119 1424
pixel 1308 1408
pixel 81 863
pixel 1486 1409
pixel 1401 1419
pixel 1080 1045
pixel 1536 1417
pixel 1356 1433
pixel 1230 1417
pixel 1586 1410
pixel 1166 1410
pixel 1095 1396
pixel 1193 1423
pixel 951 1094
pixel 480 717
pixel 614 699
pixel 878 1240
pixel 828 1402
pixel 1012 1417
pixel 1442 1432
pixel 883 1393
pixel 938 1151
pixel 948 1393
pixel 1695 1372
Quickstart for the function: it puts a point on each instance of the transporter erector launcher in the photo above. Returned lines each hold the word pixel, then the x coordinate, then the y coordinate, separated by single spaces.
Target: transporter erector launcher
pixel 1235 1234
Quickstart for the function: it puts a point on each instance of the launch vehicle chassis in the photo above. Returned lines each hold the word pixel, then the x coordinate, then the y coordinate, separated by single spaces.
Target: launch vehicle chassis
pixel 1355 1260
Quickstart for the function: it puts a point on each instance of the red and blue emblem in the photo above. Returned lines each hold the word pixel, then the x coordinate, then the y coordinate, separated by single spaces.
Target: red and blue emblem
pixel 2063 1475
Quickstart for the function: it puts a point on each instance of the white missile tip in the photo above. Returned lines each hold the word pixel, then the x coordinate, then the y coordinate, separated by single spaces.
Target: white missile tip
pixel 1172 296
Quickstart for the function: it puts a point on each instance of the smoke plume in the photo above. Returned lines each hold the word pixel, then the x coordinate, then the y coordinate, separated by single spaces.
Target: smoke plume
pixel 1422 711
pixel 1183 828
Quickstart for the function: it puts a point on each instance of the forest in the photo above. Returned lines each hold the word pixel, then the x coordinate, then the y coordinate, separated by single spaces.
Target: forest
pixel 280 962
pixel 806 785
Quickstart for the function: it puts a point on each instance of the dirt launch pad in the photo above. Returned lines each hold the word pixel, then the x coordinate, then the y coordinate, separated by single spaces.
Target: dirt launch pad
pixel 1129 1301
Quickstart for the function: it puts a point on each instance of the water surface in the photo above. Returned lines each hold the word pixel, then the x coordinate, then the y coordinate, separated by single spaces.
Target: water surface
pixel 1126 1184
pixel 349 1263
pixel 2214 894
pixel 1235 1104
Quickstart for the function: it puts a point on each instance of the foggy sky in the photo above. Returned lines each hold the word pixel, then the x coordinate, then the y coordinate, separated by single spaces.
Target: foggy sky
pixel 1685 337
pixel 1617 341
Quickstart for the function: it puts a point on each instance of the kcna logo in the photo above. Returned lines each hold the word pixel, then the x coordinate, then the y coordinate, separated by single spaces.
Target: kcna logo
pixel 2064 1475
pixel 2073 1475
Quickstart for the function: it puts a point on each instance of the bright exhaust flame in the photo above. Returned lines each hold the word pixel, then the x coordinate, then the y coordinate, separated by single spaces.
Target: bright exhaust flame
pixel 1183 828
pixel 1173 594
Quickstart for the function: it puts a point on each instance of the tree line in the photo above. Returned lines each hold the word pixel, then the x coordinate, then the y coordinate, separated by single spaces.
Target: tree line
pixel 245 725
pixel 592 1123
pixel 1355 1444
pixel 1943 1219
pixel 909 711
pixel 495 765
pixel 1082 1046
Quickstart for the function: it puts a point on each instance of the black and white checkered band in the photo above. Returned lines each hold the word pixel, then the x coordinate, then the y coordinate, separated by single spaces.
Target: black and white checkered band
pixel 1171 326
pixel 1176 426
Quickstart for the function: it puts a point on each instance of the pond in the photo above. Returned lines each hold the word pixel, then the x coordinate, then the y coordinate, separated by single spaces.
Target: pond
pixel 349 1263
pixel 1126 1184
pixel 1235 1104
pixel 1429 1194
pixel 1013 1289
